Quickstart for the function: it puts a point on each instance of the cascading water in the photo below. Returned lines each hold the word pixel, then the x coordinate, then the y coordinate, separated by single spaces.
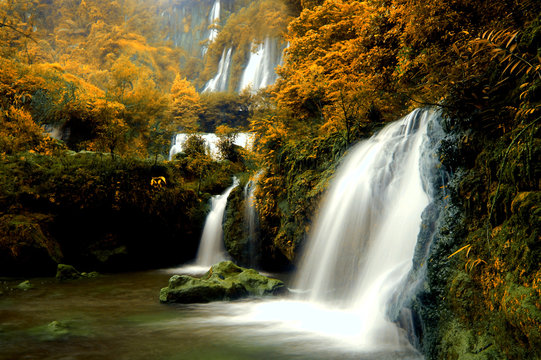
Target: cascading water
pixel 214 16
pixel 364 238
pixel 260 70
pixel 212 249
pixel 356 262
pixel 219 82
pixel 250 218
pixel 244 140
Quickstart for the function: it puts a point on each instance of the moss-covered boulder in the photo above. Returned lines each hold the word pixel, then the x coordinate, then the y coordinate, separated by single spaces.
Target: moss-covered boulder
pixel 25 285
pixel 67 272
pixel 224 281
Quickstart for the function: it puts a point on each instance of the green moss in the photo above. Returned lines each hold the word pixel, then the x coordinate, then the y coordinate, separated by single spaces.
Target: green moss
pixel 96 212
pixel 224 281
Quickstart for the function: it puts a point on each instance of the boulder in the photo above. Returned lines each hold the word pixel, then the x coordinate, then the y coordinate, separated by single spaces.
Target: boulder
pixel 224 281
pixel 67 272
pixel 25 285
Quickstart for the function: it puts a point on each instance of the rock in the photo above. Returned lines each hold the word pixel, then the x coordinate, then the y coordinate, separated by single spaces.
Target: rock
pixel 25 285
pixel 92 274
pixel 67 272
pixel 224 281
pixel 60 330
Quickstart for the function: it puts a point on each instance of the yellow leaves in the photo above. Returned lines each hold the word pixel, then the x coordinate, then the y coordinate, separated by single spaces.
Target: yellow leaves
pixel 466 247
pixel 470 263
pixel 158 182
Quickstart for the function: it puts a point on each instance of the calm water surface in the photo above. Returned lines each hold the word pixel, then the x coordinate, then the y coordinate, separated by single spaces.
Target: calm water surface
pixel 120 317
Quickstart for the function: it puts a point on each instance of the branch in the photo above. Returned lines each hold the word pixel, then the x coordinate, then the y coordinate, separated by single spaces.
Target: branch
pixel 18 31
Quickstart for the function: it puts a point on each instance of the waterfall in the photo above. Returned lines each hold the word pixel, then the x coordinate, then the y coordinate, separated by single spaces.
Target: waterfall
pixel 178 143
pixel 363 242
pixel 260 69
pixel 219 82
pixel 250 218
pixel 244 140
pixel 214 16
pixel 213 19
pixel 212 249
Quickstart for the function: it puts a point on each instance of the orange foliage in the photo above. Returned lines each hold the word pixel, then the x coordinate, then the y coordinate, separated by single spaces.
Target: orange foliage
pixel 185 105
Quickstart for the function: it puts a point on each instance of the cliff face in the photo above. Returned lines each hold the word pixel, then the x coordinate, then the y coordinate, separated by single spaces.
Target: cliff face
pixel 224 41
pixel 190 37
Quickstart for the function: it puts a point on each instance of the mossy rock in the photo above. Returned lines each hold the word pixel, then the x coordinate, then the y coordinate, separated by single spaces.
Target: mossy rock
pixel 60 330
pixel 68 272
pixel 25 285
pixel 224 281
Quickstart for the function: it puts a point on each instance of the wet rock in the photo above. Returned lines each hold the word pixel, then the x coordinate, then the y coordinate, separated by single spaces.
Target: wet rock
pixel 224 281
pixel 67 272
pixel 60 330
pixel 92 274
pixel 25 285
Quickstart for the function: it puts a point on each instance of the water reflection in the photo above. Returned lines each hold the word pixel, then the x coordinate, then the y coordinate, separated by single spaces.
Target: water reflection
pixel 120 317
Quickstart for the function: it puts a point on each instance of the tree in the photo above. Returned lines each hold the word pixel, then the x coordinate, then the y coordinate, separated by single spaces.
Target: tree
pixel 198 161
pixel 185 105
pixel 226 143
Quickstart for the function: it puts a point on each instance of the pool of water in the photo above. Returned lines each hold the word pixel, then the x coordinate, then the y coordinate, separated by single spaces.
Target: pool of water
pixel 120 317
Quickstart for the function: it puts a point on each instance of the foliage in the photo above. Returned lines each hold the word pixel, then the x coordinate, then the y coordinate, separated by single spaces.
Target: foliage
pixel 84 208
pixel 185 105
pixel 253 22
pixel 484 271
pixel 226 143
pixel 223 108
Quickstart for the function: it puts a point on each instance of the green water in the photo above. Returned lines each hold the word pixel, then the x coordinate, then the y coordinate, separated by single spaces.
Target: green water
pixel 120 317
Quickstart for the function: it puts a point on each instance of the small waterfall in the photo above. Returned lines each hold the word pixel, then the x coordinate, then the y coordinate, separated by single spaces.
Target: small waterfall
pixel 219 82
pixel 260 70
pixel 178 142
pixel 212 249
pixel 251 219
pixel 244 140
pixel 214 17
pixel 364 238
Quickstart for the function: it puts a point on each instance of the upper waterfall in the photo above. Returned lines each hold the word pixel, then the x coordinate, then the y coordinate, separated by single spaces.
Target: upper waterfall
pixel 260 71
pixel 214 16
pixel 220 80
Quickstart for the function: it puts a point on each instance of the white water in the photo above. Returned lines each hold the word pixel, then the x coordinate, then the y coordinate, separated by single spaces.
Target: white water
pixel 260 70
pixel 244 140
pixel 214 17
pixel 361 249
pixel 250 218
pixel 364 238
pixel 219 82
pixel 212 249
pixel 358 256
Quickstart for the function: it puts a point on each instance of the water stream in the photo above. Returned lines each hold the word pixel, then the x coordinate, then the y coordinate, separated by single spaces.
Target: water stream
pixel 251 220
pixel 212 248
